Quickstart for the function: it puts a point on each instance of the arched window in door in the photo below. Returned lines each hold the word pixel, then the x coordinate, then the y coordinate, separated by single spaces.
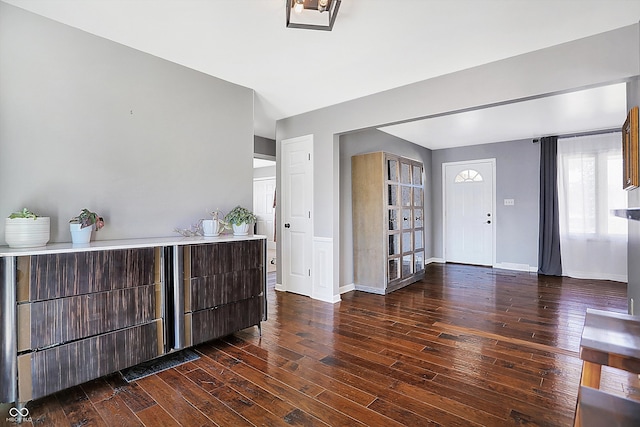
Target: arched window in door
pixel 468 175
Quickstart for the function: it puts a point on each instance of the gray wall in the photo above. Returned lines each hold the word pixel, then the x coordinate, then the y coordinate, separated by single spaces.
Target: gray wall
pixel 367 142
pixel 86 122
pixel 517 177
pixel 633 251
pixel 569 66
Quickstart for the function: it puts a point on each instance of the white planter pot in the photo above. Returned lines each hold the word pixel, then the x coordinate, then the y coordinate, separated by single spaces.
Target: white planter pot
pixel 211 227
pixel 80 235
pixel 241 230
pixel 27 232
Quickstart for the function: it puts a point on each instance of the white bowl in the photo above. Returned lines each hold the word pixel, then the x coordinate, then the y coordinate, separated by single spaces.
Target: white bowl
pixel 27 232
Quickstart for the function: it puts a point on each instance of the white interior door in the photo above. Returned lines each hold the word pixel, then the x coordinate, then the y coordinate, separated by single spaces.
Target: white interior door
pixel 296 227
pixel 469 211
pixel 263 193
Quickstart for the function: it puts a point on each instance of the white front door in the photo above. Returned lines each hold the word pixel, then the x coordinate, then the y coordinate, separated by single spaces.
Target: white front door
pixel 469 222
pixel 296 226
pixel 263 194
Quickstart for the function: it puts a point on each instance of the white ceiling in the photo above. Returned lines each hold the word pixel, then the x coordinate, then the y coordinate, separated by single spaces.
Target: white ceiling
pixel 575 112
pixel 375 45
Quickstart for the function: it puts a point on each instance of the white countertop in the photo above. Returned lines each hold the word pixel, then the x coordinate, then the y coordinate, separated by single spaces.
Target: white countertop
pixel 101 245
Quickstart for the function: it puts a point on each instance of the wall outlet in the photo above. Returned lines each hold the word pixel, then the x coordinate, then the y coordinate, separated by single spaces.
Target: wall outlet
pixel 509 202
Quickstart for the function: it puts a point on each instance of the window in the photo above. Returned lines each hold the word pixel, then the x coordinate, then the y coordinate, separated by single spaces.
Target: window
pixel 468 175
pixel 593 186
pixel 593 243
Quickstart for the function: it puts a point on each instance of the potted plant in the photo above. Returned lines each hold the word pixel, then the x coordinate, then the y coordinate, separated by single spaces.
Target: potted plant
pixel 82 225
pixel 25 229
pixel 213 227
pixel 240 219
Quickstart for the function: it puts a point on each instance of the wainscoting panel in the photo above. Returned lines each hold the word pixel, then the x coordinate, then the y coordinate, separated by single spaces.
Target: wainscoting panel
pixel 322 270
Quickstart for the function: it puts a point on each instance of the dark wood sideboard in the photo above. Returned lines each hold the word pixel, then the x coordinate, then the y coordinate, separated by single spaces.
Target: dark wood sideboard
pixel 72 314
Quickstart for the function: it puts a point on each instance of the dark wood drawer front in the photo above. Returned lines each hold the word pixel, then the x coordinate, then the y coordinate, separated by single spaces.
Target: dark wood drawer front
pixel 224 320
pixel 212 291
pixel 67 319
pixel 61 275
pixel 208 260
pixel 67 365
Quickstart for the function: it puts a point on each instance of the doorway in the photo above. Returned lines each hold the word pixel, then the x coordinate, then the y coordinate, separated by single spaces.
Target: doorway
pixel 264 189
pixel 469 206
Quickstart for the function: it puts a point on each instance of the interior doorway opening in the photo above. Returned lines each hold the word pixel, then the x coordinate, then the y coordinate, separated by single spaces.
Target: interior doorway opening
pixel 264 206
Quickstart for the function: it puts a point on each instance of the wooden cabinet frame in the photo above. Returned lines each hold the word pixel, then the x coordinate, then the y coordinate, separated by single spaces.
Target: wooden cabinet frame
pixel 631 178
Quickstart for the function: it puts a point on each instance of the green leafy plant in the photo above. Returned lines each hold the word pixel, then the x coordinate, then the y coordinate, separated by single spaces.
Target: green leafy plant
pixel 86 218
pixel 24 213
pixel 239 215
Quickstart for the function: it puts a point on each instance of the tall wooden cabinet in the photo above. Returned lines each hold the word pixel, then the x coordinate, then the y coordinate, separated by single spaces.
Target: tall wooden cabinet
pixel 388 221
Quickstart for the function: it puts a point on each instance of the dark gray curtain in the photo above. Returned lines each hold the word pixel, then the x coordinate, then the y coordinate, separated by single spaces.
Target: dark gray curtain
pixel 549 261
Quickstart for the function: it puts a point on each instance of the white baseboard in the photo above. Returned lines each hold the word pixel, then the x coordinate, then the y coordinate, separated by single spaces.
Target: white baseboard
pixel 595 276
pixel 280 288
pixel 434 260
pixel 347 288
pixel 513 266
pixel 369 289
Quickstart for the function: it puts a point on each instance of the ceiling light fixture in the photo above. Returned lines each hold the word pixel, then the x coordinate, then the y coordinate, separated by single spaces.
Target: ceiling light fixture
pixel 310 14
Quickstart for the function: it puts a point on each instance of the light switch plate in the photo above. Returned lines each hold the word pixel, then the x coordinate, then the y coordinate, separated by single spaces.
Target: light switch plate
pixel 509 202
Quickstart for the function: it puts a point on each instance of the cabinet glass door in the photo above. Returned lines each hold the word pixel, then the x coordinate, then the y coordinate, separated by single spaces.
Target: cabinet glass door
pixel 417 175
pixel 405 173
pixel 394 220
pixel 394 245
pixel 392 170
pixel 419 261
pixel 393 270
pixel 392 195
pixel 405 215
pixel 418 221
pixel 407 265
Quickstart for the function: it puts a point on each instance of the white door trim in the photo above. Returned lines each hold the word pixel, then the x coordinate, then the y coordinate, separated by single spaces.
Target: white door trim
pixel 283 197
pixel 492 161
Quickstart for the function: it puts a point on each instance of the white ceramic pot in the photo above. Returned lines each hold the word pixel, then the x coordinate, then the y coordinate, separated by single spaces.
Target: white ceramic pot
pixel 241 230
pixel 211 227
pixel 27 232
pixel 80 235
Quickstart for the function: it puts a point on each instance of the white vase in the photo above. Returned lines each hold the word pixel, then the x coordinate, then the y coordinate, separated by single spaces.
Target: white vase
pixel 211 227
pixel 80 235
pixel 241 230
pixel 27 232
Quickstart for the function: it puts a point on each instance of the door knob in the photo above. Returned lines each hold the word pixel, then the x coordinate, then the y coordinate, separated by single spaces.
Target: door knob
pixel 287 225
pixel 489 222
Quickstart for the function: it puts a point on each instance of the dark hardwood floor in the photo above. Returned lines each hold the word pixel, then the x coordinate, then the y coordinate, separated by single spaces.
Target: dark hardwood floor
pixel 465 346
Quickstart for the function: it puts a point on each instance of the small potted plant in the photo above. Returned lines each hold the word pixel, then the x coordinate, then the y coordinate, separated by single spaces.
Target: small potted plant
pixel 82 225
pixel 25 229
pixel 240 219
pixel 213 227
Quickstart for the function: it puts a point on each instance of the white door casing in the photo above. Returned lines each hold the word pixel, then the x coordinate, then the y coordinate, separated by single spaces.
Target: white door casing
pixel 263 193
pixel 469 212
pixel 296 226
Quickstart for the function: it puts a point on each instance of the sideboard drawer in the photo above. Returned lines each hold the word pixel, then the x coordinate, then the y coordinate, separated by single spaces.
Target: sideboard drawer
pixel 44 372
pixel 56 321
pixel 205 325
